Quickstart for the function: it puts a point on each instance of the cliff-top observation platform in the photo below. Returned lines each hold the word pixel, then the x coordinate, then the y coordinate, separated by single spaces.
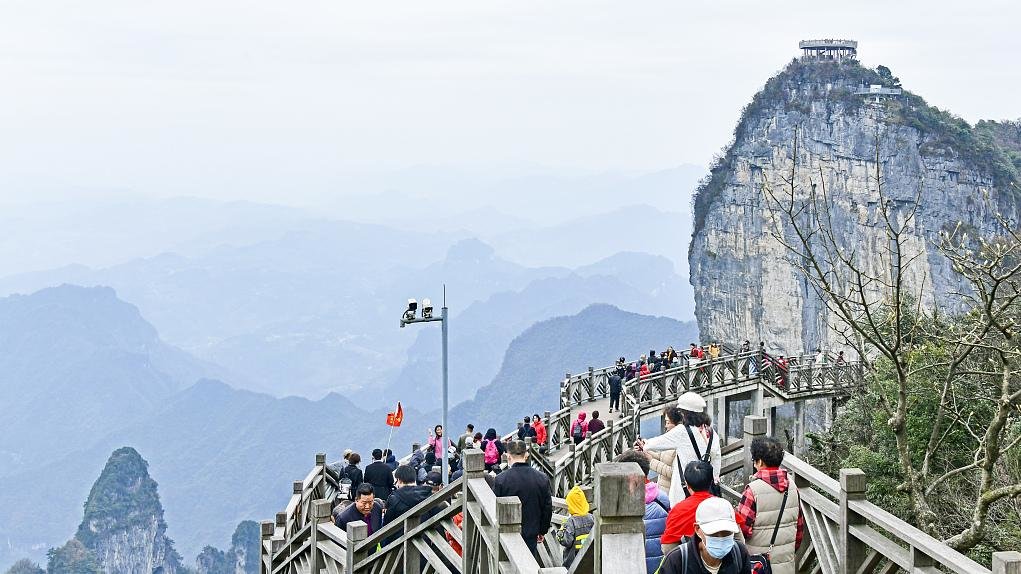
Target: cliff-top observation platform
pixel 828 49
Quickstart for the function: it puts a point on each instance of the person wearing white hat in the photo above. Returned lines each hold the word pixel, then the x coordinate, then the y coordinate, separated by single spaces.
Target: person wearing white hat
pixel 690 435
pixel 713 549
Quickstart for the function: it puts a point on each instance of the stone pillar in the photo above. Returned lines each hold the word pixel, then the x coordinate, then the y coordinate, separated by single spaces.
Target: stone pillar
pixel 721 421
pixel 852 551
pixel 754 427
pixel 591 383
pixel 770 414
pixel 758 402
pixel 1007 562
pixel 619 531
pixel 799 428
pixel 266 532
pixel 474 467
pixel 357 531
pixel 320 515
pixel 508 521
pixel 278 543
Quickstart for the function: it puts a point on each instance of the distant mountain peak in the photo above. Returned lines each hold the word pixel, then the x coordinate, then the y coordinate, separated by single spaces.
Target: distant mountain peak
pixel 471 249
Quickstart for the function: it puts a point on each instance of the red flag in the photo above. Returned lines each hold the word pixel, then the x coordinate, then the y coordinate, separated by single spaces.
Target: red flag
pixel 395 419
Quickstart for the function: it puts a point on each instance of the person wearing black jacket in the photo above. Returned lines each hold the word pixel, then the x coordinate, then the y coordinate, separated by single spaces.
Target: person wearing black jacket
pixel 379 475
pixel 533 490
pixel 407 495
pixel 526 430
pixel 352 473
pixel 615 388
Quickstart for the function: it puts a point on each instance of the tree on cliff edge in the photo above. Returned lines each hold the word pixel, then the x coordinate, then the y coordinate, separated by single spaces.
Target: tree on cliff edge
pixel 961 461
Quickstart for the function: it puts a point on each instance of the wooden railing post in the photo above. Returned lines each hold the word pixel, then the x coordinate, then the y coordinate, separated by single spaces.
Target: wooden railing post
pixel 320 514
pixel 754 427
pixel 412 556
pixel 471 553
pixel 852 552
pixel 278 542
pixel 1007 562
pixel 619 531
pixel 357 531
pixel 265 547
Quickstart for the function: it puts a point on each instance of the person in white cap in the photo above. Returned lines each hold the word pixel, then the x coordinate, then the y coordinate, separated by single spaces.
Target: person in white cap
pixel 688 433
pixel 713 549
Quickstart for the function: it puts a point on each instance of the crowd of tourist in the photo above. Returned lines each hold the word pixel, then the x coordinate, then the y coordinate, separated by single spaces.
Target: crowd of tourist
pixel 689 527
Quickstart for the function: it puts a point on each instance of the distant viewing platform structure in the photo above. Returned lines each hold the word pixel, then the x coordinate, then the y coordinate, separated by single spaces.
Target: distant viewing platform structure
pixel 829 49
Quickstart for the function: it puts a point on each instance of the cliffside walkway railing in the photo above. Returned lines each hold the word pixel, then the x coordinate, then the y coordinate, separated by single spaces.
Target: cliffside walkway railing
pixel 844 532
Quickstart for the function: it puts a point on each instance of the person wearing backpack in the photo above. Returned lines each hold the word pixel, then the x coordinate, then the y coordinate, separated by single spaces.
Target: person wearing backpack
pixel 713 549
pixel 492 450
pixel 578 525
pixel 350 477
pixel 771 507
pixel 579 428
pixel 690 434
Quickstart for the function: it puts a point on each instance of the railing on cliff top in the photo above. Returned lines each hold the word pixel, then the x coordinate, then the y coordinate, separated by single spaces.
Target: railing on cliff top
pixel 844 532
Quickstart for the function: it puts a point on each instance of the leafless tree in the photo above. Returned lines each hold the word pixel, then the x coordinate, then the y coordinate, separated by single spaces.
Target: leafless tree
pixel 876 293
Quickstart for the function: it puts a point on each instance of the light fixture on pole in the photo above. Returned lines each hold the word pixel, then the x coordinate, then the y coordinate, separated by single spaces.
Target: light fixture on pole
pixel 409 317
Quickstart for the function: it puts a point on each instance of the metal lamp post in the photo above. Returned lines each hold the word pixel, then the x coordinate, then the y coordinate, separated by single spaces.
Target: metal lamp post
pixel 427 317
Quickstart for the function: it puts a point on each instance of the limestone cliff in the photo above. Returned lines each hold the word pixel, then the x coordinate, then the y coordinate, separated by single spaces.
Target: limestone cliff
pixel 744 285
pixel 123 526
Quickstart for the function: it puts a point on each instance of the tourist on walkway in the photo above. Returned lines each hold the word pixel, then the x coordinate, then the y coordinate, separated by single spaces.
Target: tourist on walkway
pixel 657 506
pixel 533 490
pixel 713 549
pixel 465 439
pixel 577 526
pixel 526 430
pixel 540 430
pixel 435 442
pixel 579 428
pixel 596 424
pixel 407 495
pixel 771 503
pixel 379 475
pixel 616 384
pixel 351 473
pixel 643 370
pixel 714 350
pixel 492 450
pixel 390 459
pixel 680 524
pixel 366 508
pixel 690 434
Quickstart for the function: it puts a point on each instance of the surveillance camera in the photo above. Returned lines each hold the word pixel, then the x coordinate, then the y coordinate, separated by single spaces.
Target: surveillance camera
pixel 409 315
pixel 427 309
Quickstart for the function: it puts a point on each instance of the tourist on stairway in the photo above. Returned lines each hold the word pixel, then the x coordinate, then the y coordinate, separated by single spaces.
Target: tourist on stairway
pixel 576 528
pixel 526 429
pixel 615 387
pixel 540 430
pixel 680 524
pixel 465 439
pixel 435 441
pixel 379 475
pixel 366 508
pixel 771 508
pixel 579 428
pixel 407 495
pixel 657 506
pixel 390 459
pixel 533 490
pixel 713 549
pixel 352 473
pixel 690 434
pixel 596 424
pixel 492 450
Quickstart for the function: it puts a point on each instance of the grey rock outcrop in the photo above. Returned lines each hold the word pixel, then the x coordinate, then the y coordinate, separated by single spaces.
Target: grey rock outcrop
pixel 745 285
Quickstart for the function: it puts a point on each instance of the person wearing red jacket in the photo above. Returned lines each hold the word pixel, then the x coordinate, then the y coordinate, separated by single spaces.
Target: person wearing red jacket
pixel 680 523
pixel 540 430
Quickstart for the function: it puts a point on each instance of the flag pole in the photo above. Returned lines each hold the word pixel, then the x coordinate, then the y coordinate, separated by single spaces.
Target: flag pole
pixel 391 430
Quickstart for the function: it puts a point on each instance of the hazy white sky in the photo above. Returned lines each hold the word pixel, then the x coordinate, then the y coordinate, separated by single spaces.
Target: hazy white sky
pixel 270 100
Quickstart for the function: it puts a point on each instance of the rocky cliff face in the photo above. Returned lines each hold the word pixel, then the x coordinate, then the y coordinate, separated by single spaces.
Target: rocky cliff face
pixel 123 526
pixel 745 286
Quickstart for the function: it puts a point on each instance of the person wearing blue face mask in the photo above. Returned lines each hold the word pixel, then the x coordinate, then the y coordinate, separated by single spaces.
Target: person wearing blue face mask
pixel 713 549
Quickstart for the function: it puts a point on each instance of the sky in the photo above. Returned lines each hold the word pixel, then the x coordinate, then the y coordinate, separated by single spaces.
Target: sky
pixel 290 101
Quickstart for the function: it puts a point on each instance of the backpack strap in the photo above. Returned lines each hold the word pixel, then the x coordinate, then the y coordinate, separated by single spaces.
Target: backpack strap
pixel 779 517
pixel 694 445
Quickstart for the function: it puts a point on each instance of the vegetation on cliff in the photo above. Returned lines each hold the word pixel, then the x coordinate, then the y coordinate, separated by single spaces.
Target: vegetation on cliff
pixel 991 148
pixel 123 496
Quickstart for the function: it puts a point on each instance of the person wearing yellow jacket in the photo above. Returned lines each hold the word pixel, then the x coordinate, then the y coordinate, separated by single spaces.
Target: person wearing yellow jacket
pixel 577 527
